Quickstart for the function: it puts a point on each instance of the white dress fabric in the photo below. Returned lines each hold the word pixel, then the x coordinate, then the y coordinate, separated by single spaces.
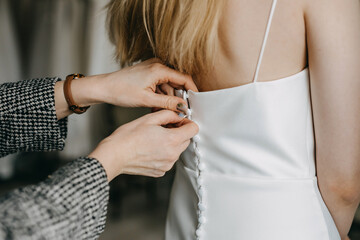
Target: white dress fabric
pixel 250 171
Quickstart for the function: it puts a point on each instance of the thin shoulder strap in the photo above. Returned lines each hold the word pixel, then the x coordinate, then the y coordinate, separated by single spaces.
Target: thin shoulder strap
pixel 265 40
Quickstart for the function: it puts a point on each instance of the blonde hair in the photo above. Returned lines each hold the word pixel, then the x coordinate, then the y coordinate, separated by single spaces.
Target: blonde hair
pixel 181 33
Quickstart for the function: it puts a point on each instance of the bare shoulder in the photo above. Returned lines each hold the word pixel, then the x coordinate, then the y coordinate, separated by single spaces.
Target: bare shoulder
pixel 320 7
pixel 325 10
pixel 333 34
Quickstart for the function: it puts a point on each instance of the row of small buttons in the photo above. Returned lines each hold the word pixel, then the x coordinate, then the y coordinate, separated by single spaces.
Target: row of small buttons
pixel 201 190
pixel 200 170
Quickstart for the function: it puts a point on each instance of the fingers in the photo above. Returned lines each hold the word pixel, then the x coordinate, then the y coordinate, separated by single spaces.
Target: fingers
pixel 177 78
pixel 164 101
pixel 164 117
pixel 163 81
pixel 167 89
pixel 158 90
pixel 156 109
pixel 160 100
pixel 187 130
pixel 164 74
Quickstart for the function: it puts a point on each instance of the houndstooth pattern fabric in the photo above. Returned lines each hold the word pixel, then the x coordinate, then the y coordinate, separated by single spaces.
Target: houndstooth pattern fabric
pixel 27 117
pixel 72 202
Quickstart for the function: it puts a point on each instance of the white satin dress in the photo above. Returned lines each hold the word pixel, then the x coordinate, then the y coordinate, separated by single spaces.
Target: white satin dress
pixel 250 174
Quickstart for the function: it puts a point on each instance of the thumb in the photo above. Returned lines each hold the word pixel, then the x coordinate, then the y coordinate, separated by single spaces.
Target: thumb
pixel 187 130
pixel 166 101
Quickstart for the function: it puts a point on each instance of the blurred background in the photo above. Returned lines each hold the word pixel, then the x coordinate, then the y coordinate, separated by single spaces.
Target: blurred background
pixel 47 38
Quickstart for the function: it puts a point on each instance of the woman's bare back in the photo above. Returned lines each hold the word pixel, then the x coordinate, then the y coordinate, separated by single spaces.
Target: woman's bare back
pixel 241 32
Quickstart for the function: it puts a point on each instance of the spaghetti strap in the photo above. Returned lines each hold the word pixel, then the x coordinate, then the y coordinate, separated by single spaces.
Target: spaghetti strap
pixel 265 40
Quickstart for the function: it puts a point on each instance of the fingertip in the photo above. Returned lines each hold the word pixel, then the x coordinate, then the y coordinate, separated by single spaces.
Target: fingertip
pixel 195 128
pixel 176 104
pixel 190 84
pixel 164 101
pixel 181 105
pixel 182 79
pixel 191 127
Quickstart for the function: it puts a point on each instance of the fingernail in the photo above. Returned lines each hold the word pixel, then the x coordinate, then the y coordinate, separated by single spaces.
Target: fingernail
pixel 182 115
pixel 181 107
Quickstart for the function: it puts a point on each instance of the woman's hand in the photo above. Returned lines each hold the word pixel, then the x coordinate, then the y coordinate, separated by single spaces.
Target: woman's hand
pixel 136 86
pixel 133 86
pixel 144 146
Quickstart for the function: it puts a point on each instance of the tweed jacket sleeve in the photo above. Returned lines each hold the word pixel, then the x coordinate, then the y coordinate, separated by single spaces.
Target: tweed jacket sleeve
pixel 72 202
pixel 28 119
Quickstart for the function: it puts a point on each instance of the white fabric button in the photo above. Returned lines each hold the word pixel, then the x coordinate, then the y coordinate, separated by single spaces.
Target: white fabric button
pixel 199 232
pixel 202 219
pixel 201 166
pixel 200 180
pixel 197 163
pixel 196 138
pixel 201 192
pixel 201 206
pixel 198 153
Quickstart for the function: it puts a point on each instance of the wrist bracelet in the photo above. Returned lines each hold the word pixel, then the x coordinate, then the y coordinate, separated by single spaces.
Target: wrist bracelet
pixel 68 95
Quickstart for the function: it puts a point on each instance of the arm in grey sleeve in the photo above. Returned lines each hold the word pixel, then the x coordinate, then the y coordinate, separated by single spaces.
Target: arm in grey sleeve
pixel 28 119
pixel 70 204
